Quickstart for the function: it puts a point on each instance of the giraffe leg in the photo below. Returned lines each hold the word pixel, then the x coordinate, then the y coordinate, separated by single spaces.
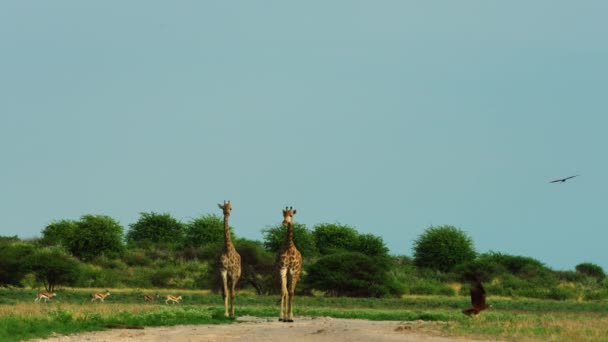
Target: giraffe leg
pixel 232 295
pixel 292 293
pixel 284 299
pixel 225 290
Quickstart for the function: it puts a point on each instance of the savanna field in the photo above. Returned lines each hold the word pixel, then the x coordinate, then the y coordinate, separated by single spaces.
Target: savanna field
pixel 71 311
pixel 345 274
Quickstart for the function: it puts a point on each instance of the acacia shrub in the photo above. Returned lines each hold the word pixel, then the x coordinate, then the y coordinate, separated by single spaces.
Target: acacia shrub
pixel 14 255
pixel 442 248
pixel 335 237
pixel 352 274
pixel 274 239
pixel 52 266
pixel 97 235
pixel 158 229
pixel 591 270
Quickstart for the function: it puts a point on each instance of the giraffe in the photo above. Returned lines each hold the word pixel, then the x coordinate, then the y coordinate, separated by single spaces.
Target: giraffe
pixel 230 264
pixel 290 267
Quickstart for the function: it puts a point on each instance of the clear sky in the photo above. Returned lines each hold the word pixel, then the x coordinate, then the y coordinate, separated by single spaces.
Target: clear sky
pixel 388 116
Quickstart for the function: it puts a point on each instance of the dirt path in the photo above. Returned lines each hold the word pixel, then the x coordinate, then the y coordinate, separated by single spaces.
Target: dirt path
pixel 253 329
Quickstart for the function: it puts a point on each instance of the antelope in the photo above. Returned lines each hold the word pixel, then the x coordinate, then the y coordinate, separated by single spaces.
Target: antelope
pixel 173 299
pixel 150 298
pixel 100 296
pixel 44 295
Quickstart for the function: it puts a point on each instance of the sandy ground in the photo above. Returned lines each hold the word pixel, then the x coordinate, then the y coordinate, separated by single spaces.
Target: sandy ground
pixel 319 329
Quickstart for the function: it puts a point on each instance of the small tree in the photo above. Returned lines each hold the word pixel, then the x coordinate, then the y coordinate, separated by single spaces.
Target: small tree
pixel 53 266
pixel 59 233
pixel 207 229
pixel 331 238
pixel 156 228
pixel 591 270
pixel 441 248
pixel 97 235
pixel 206 233
pixel 352 274
pixel 274 239
pixel 13 261
pixel 371 245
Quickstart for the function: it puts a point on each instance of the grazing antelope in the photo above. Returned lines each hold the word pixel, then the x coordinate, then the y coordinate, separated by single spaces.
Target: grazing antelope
pixel 100 296
pixel 150 298
pixel 44 295
pixel 173 299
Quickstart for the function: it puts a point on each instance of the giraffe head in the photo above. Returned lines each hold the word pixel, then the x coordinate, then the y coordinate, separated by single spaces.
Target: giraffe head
pixel 226 208
pixel 288 213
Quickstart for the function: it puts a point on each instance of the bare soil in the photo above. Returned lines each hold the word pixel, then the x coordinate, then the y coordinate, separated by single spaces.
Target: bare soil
pixel 319 329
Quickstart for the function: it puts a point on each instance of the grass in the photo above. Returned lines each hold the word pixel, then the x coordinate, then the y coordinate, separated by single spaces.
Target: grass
pixel 509 319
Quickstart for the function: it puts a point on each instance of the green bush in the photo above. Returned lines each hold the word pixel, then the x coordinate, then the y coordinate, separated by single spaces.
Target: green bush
pixel 591 270
pixel 157 229
pixel 257 266
pixel 274 239
pixel 332 238
pixel 492 265
pixel 14 256
pixel 136 257
pixel 52 266
pixel 421 286
pixel 352 274
pixel 205 230
pixel 442 248
pixel 163 277
pixel 96 235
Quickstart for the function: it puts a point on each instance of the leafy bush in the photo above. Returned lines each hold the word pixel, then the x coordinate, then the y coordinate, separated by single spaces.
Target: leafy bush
pixel 13 261
pixel 491 265
pixel 274 239
pixel 205 230
pixel 333 238
pixel 427 287
pixel 442 248
pixel 163 277
pixel 136 257
pixel 352 274
pixel 96 276
pixel 257 266
pixel 591 270
pixel 96 235
pixel 53 266
pixel 59 233
pixel 156 228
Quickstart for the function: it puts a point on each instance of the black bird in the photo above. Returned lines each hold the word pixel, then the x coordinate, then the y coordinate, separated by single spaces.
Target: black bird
pixel 563 179
pixel 478 300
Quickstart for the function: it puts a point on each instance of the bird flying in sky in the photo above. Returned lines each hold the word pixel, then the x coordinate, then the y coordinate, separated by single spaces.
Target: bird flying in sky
pixel 562 179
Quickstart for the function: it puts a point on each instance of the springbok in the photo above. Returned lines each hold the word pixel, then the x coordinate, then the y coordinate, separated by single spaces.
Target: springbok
pixel 150 298
pixel 100 296
pixel 44 295
pixel 173 299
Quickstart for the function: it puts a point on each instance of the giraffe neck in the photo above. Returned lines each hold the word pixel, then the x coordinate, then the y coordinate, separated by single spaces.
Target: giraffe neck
pixel 289 238
pixel 227 239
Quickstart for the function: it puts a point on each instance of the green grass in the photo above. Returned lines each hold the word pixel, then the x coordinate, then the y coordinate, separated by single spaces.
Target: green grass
pixel 73 319
pixel 509 319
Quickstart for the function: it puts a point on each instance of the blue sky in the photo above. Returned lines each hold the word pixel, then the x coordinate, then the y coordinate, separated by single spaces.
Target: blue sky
pixel 389 116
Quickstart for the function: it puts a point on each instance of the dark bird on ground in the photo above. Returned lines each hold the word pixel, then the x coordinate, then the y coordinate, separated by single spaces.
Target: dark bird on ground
pixel 562 179
pixel 478 300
